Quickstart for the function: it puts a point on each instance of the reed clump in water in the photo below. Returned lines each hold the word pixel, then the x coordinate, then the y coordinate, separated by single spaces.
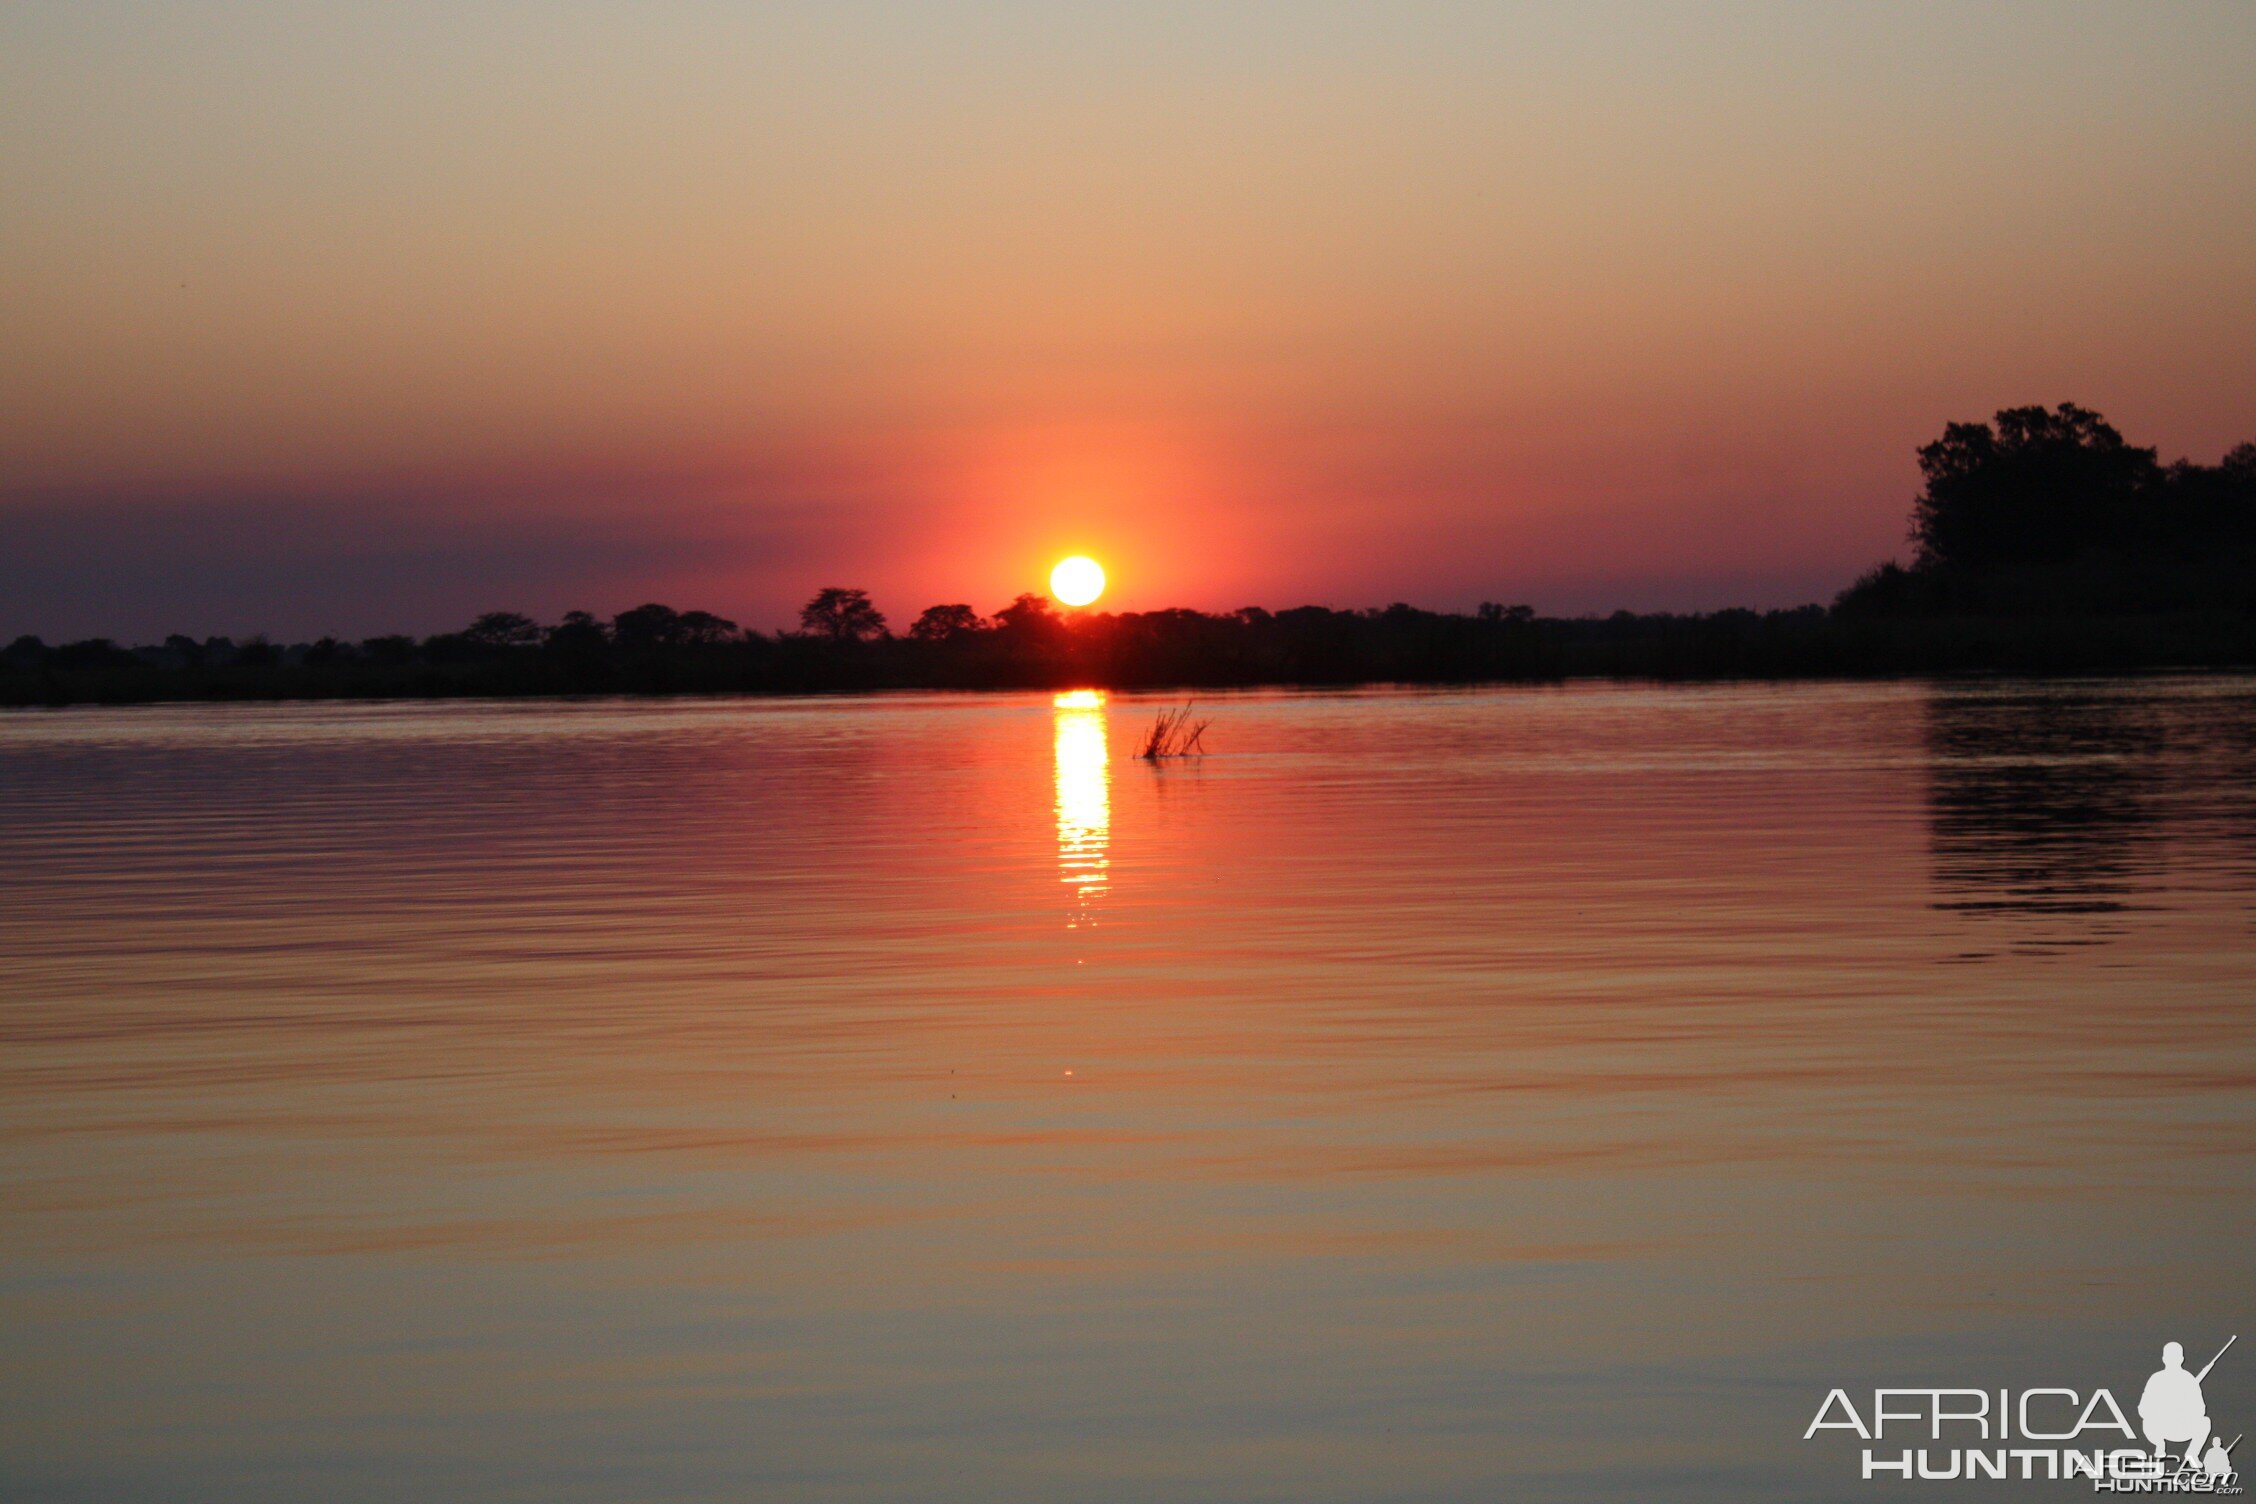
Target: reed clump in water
pixel 1174 734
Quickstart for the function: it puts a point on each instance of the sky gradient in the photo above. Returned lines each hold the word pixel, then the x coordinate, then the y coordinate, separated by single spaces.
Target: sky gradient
pixel 353 319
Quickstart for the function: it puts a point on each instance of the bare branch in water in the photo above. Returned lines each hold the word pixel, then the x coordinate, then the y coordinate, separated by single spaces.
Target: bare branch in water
pixel 1174 734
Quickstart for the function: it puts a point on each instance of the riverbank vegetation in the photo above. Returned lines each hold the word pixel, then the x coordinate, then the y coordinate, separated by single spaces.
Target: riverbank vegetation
pixel 2042 543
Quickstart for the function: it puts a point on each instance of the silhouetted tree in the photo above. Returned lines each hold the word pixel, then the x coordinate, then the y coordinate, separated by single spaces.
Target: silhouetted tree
pixel 1028 616
pixel 2046 513
pixel 502 629
pixel 842 615
pixel 579 633
pixel 945 623
pixel 647 626
pixel 704 629
pixel 2041 485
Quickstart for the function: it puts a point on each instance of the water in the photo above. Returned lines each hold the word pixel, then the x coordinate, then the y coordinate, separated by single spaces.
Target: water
pixel 1515 1094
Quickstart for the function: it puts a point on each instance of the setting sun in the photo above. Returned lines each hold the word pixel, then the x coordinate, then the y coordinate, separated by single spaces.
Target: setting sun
pixel 1077 581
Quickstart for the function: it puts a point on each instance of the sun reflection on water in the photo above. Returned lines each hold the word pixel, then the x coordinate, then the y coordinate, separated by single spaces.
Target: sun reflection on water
pixel 1084 798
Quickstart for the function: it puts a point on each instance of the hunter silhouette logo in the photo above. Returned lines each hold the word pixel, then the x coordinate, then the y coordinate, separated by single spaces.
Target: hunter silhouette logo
pixel 2055 1433
pixel 2171 1410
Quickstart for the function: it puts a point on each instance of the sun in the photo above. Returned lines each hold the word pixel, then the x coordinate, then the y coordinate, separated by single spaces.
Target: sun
pixel 1078 580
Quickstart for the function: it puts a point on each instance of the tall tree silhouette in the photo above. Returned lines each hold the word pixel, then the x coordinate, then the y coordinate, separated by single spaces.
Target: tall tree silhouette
pixel 578 633
pixel 842 615
pixel 2040 486
pixel 648 626
pixel 945 623
pixel 704 629
pixel 2046 513
pixel 1029 616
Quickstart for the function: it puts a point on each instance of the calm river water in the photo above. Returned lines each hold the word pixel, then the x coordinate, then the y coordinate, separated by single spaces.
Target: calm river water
pixel 1516 1094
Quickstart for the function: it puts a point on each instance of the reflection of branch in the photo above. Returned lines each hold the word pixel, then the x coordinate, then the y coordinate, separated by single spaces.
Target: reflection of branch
pixel 1174 734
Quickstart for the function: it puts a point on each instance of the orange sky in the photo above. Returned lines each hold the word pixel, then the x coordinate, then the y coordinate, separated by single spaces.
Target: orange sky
pixel 327 318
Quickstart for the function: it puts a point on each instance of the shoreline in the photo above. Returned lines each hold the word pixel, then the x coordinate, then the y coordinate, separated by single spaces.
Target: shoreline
pixel 219 692
pixel 1167 652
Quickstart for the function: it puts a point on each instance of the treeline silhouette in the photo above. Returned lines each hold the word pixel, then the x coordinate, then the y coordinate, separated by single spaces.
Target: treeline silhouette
pixel 2043 543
